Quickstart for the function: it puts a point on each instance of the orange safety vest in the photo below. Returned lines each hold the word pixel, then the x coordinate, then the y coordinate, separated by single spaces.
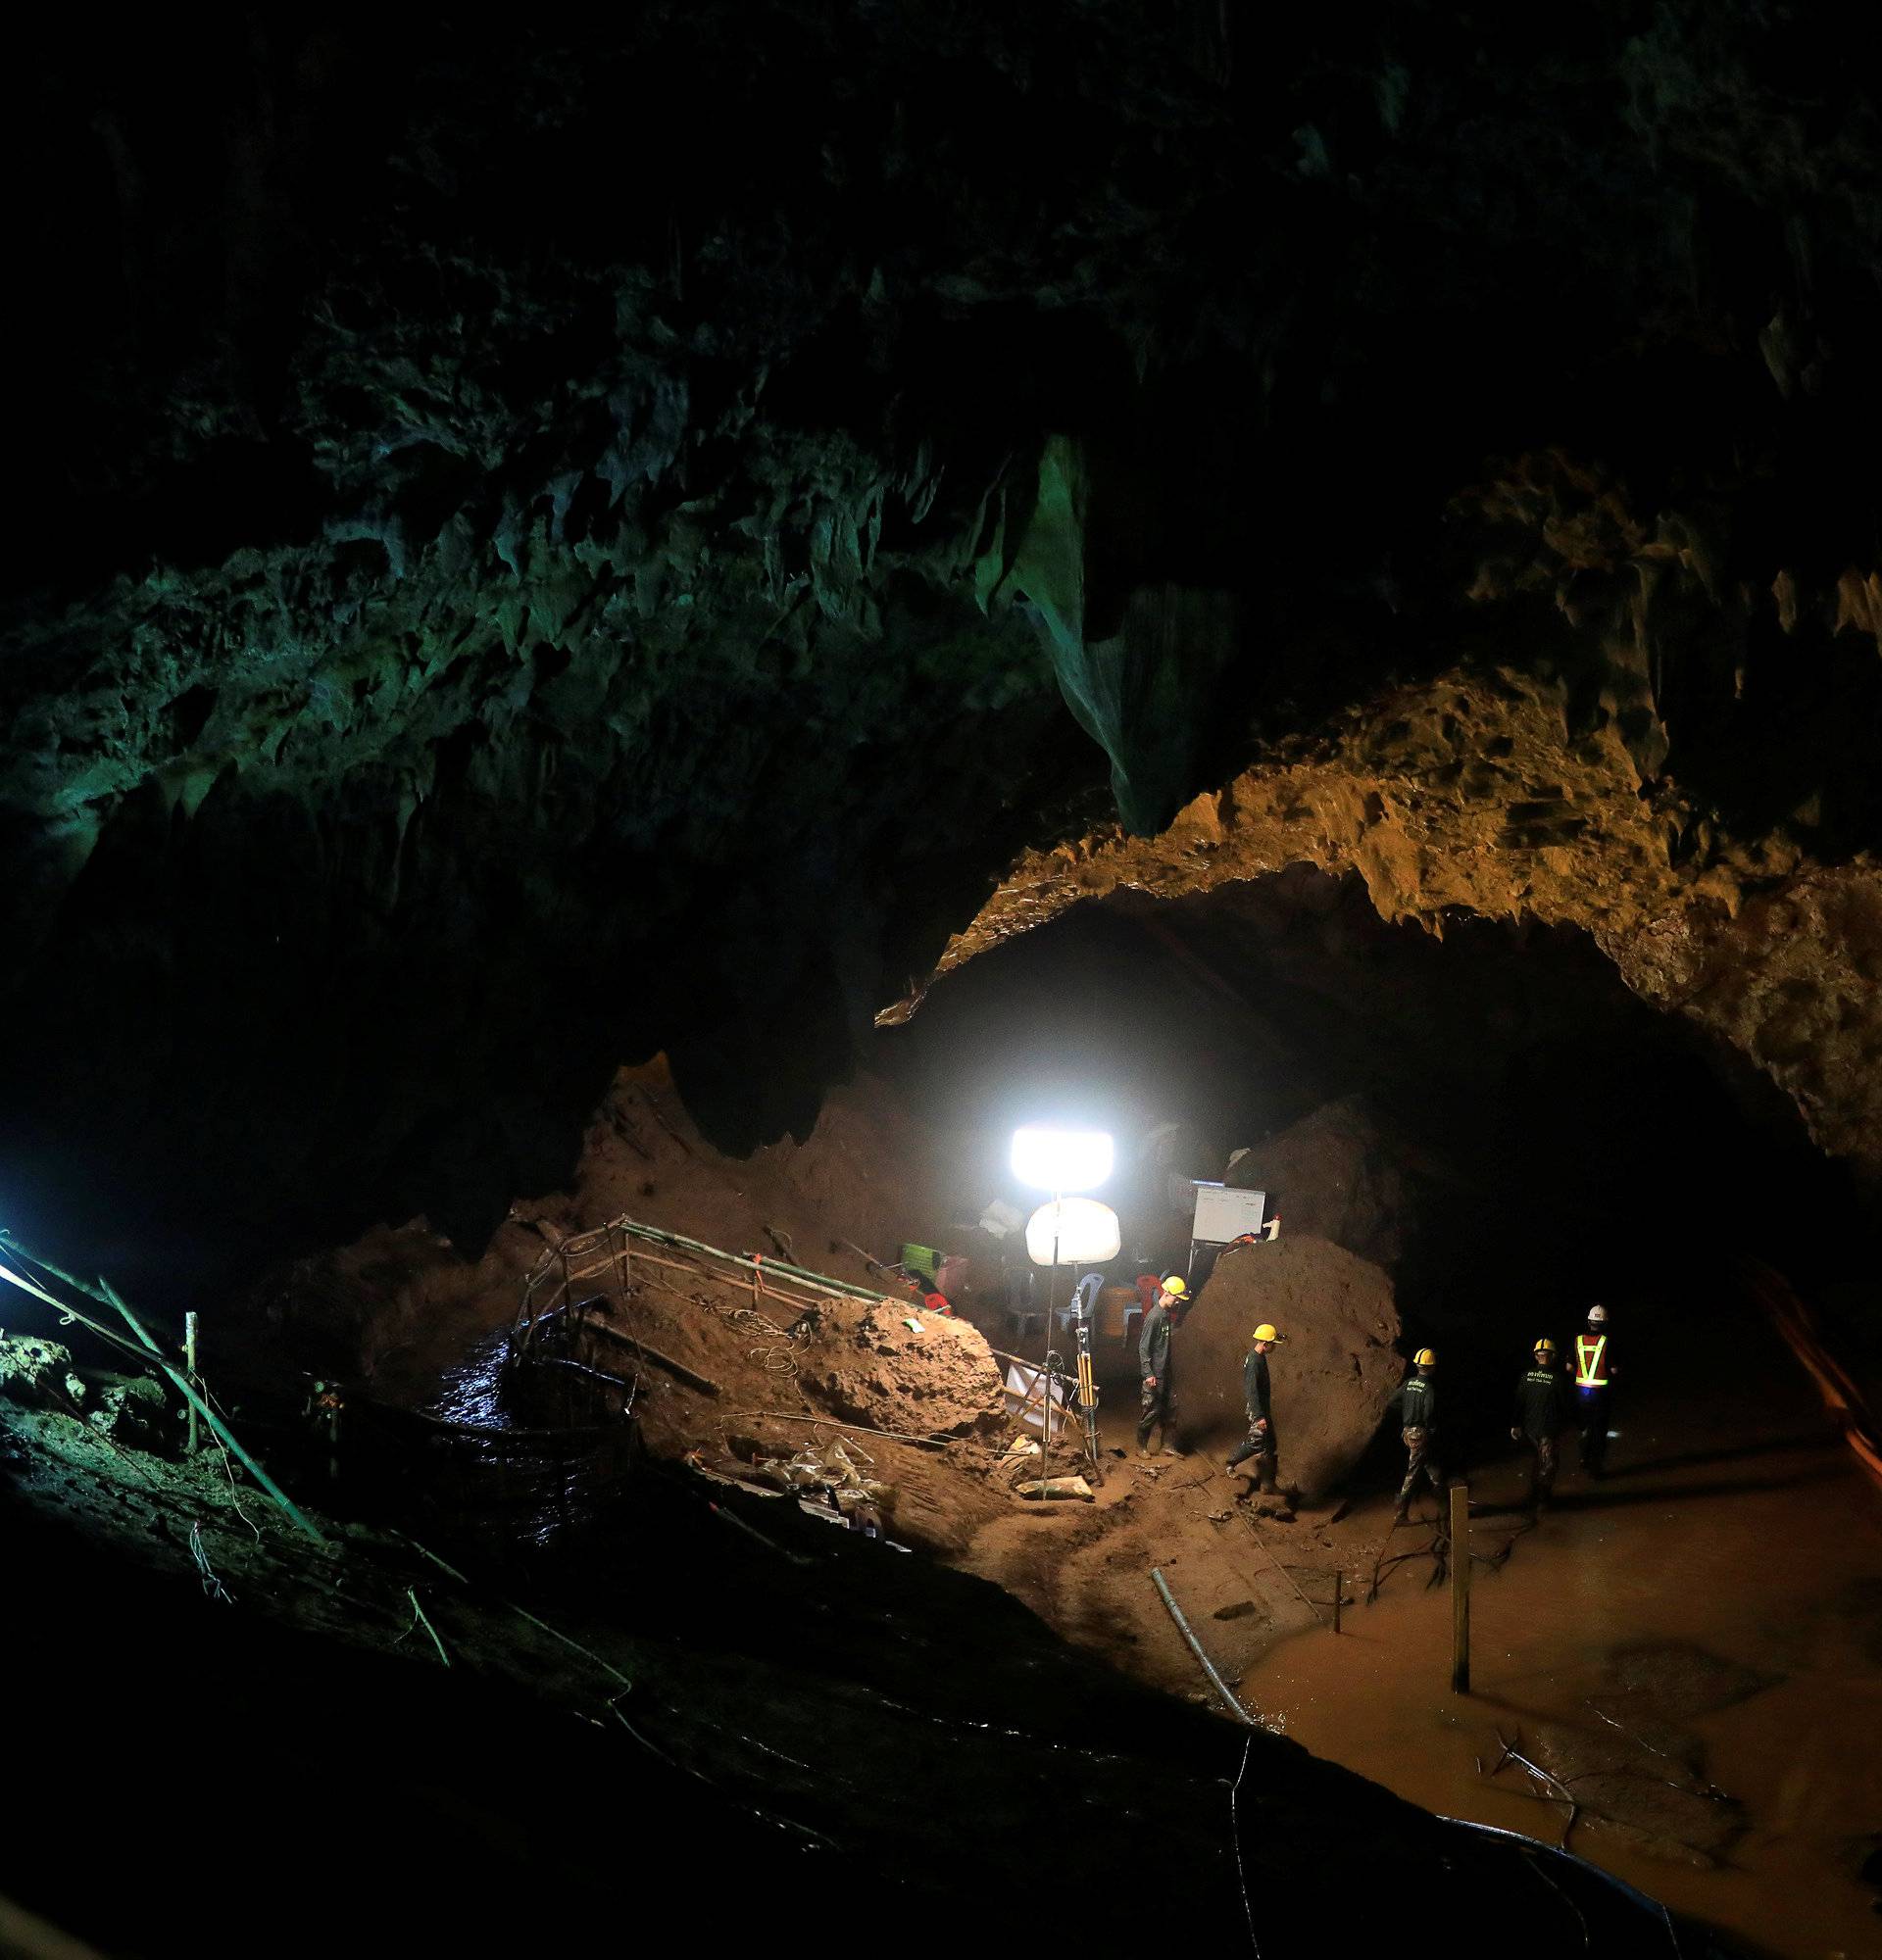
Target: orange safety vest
pixel 1591 1356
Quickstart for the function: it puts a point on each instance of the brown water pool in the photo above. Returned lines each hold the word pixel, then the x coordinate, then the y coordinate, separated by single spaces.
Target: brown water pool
pixel 1719 1607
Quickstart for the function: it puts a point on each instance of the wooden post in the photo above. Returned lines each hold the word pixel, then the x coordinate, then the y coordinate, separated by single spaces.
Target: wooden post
pixel 1338 1589
pixel 1459 1588
pixel 190 1368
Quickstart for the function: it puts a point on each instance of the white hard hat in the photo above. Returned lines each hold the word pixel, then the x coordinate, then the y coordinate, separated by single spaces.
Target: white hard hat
pixel 1596 1316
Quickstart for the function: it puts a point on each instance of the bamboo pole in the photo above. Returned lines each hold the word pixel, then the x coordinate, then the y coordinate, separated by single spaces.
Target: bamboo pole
pixel 803 1273
pixel 105 1294
pixel 190 1367
pixel 1459 1588
pixel 678 1369
pixel 772 1291
pixel 217 1425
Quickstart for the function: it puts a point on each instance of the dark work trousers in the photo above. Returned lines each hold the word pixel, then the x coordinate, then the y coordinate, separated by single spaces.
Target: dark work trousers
pixel 1421 1460
pixel 1543 1483
pixel 1157 1410
pixel 1591 1418
pixel 1259 1444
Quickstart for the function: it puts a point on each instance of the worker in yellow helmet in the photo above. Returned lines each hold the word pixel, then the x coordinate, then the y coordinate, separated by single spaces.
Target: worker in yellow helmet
pixel 1158 1405
pixel 1417 1403
pixel 1595 1374
pixel 1260 1443
pixel 1538 1419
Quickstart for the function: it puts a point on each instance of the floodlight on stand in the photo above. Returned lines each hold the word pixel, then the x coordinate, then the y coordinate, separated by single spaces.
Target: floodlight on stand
pixel 1058 1161
pixel 1073 1232
pixel 1061 1160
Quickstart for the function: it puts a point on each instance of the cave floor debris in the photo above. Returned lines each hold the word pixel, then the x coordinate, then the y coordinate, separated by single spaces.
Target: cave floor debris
pixel 374 1693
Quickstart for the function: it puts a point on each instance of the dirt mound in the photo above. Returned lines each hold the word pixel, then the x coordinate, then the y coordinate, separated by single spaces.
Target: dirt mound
pixel 861 1178
pixel 1331 1379
pixel 1331 1176
pixel 936 1378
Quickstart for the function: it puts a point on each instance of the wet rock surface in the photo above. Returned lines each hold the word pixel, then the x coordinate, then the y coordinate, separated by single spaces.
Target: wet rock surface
pixel 33 1369
pixel 129 1409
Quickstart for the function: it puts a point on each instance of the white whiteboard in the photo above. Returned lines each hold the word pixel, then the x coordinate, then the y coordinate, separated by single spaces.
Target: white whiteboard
pixel 1223 1214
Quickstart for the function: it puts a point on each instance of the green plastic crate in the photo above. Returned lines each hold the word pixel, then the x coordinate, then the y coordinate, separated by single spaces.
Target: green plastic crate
pixel 921 1259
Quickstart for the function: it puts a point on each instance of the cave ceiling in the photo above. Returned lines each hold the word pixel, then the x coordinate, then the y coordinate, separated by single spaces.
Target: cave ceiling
pixel 533 549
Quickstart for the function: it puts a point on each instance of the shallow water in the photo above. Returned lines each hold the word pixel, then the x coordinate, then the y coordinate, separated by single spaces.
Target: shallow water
pixel 1766 1554
pixel 467 1392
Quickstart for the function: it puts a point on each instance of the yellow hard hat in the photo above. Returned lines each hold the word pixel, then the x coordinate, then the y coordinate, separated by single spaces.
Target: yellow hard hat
pixel 1543 1347
pixel 1176 1286
pixel 1425 1358
pixel 1264 1332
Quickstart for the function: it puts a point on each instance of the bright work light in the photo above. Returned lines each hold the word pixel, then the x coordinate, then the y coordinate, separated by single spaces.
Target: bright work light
pixel 1061 1160
pixel 1073 1232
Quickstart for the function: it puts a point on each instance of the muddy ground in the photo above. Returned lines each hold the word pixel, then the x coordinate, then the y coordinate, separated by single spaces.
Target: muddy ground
pixel 226 1736
pixel 914 1402
pixel 857 1370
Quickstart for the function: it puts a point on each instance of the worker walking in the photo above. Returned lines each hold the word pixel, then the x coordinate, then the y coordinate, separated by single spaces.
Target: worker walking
pixel 1159 1405
pixel 1261 1443
pixel 1417 1403
pixel 1539 1419
pixel 1594 1389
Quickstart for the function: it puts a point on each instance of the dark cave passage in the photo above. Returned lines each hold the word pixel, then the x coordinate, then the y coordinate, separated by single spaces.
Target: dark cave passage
pixel 1493 1116
pixel 1511 1135
pixel 1521 1080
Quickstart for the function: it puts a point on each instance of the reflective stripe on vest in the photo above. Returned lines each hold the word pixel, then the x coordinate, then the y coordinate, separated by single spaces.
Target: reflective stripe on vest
pixel 1591 1357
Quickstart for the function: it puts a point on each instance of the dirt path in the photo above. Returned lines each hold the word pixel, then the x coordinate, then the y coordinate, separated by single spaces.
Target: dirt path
pixel 1243 1582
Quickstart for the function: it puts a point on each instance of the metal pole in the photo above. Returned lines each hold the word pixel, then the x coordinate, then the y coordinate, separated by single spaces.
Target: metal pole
pixel 190 1368
pixel 1339 1591
pixel 1459 1588
pixel 1045 1372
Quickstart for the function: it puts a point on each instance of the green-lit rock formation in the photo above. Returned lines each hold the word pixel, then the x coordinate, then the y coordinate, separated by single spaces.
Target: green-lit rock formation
pixel 539 547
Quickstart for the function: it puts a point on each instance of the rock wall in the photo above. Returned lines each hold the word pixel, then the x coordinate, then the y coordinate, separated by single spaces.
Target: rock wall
pixel 1332 1378
pixel 503 587
pixel 1333 1176
pixel 1475 793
